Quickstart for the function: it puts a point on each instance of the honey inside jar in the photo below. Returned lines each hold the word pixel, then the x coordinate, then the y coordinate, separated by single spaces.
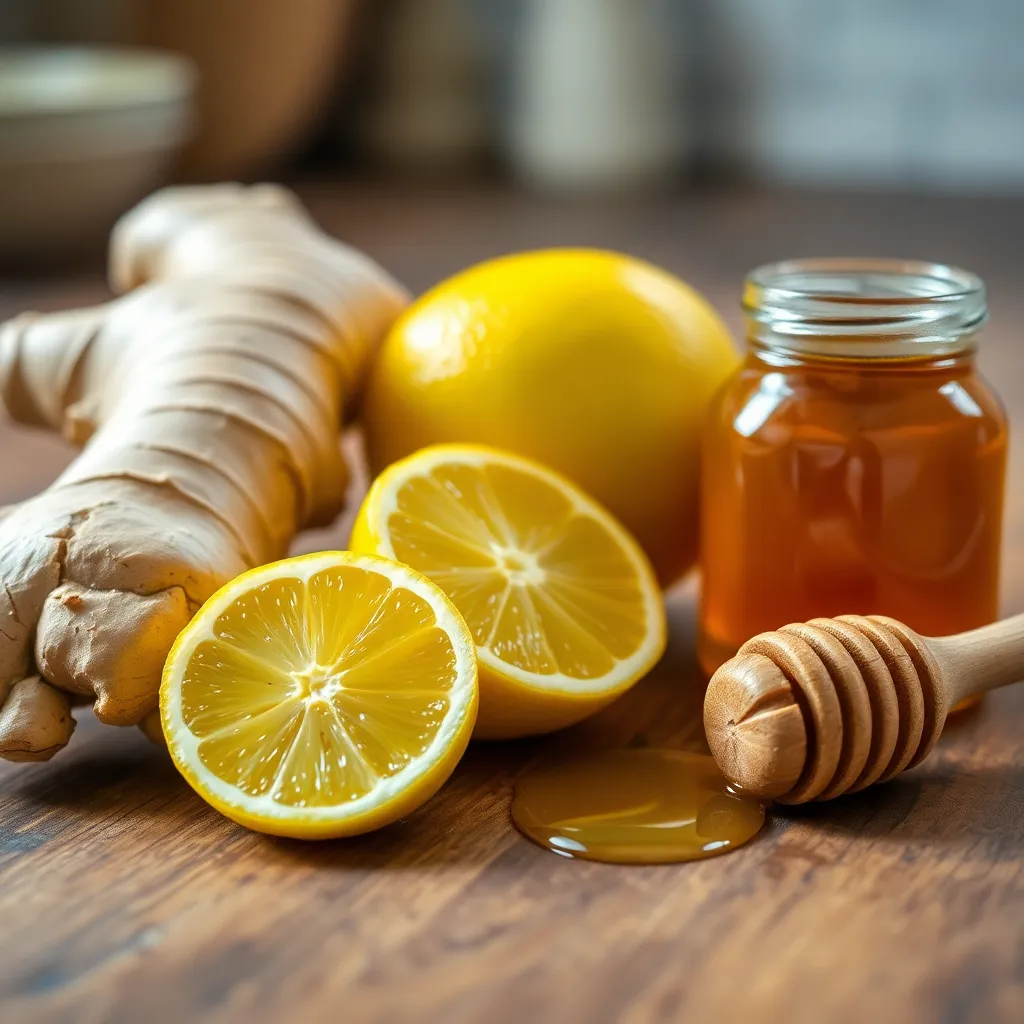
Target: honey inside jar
pixel 856 462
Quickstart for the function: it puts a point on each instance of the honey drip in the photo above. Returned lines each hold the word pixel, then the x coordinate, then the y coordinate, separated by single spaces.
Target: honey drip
pixel 635 807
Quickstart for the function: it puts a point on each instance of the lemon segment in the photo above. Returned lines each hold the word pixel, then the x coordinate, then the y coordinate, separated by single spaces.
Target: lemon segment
pixel 562 604
pixel 321 696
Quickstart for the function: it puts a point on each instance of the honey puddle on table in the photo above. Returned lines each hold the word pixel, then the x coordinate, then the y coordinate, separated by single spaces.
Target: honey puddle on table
pixel 642 806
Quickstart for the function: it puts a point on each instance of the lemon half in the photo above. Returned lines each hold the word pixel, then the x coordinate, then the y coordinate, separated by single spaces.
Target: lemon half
pixel 562 603
pixel 321 696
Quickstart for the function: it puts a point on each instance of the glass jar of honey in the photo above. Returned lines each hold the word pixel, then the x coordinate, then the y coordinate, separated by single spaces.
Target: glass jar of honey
pixel 856 461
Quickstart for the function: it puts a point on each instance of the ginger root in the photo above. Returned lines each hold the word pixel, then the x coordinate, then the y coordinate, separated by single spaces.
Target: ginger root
pixel 209 398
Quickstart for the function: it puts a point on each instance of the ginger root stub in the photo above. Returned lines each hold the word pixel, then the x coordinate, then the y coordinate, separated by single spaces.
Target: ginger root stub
pixel 209 399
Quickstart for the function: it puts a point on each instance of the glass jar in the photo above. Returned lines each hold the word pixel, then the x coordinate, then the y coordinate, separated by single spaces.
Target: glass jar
pixel 856 461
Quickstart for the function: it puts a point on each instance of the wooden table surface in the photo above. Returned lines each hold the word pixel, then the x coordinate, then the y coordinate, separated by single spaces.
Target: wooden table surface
pixel 124 898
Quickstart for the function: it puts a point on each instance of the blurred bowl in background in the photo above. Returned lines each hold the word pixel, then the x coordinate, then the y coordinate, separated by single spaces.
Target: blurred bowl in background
pixel 266 70
pixel 84 134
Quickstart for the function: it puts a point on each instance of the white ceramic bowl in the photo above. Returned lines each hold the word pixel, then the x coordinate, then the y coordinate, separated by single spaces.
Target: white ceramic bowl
pixel 84 134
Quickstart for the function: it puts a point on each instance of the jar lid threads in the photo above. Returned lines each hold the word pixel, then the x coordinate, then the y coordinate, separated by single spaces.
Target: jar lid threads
pixel 864 308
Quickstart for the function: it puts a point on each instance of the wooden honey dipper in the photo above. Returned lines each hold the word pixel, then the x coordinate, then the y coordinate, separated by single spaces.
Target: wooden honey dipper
pixel 830 706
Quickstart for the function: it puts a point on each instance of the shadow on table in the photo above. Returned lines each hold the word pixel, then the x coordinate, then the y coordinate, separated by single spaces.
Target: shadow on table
pixel 935 805
pixel 115 778
pixel 120 781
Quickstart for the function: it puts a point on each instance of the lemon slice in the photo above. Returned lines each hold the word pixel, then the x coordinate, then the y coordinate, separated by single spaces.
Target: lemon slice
pixel 321 696
pixel 562 603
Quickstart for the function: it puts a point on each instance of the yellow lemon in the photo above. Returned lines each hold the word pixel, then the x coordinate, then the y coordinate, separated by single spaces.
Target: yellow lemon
pixel 561 601
pixel 321 696
pixel 594 363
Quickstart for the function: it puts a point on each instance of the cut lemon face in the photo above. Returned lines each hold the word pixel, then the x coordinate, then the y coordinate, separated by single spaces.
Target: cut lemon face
pixel 562 603
pixel 321 696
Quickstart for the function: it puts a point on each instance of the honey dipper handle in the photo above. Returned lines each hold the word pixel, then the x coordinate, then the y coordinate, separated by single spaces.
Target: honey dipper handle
pixel 982 659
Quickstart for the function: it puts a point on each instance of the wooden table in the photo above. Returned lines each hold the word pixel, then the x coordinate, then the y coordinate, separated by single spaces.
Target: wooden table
pixel 124 898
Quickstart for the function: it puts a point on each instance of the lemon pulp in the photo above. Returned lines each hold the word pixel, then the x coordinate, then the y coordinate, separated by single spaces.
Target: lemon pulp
pixel 561 603
pixel 318 694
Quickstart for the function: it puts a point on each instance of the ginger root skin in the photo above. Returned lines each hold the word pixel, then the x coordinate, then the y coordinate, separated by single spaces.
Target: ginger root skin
pixel 209 399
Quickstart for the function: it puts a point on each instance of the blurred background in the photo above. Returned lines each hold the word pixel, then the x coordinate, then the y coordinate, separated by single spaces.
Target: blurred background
pixel 705 135
pixel 564 97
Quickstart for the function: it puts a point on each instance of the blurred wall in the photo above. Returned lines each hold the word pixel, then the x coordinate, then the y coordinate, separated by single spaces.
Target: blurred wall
pixel 876 91
pixel 887 93
pixel 864 92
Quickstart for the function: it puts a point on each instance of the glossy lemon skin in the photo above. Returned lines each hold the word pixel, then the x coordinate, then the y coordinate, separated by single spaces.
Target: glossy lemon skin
pixel 594 363
pixel 510 708
pixel 297 825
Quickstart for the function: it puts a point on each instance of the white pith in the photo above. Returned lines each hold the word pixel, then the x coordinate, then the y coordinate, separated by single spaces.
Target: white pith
pixel 184 745
pixel 626 670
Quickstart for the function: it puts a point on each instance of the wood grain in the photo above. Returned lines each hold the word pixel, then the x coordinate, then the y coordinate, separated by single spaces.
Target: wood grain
pixel 123 898
pixel 983 659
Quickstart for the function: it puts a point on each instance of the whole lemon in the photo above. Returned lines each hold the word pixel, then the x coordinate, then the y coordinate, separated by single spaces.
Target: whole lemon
pixel 598 364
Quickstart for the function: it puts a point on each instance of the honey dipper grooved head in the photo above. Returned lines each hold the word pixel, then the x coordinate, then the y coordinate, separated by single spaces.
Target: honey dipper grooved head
pixel 818 709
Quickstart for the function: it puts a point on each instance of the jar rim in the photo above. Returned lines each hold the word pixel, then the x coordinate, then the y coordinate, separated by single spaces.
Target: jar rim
pixel 864 308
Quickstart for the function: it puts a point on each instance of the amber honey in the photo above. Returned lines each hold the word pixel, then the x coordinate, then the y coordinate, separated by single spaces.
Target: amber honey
pixel 856 462
pixel 631 806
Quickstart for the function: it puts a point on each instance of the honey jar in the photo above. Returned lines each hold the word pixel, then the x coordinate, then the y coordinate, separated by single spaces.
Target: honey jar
pixel 856 461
